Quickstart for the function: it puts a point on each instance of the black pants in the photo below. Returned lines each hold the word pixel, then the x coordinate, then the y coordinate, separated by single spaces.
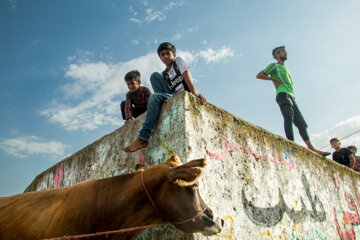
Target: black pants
pixel 291 114
pixel 137 112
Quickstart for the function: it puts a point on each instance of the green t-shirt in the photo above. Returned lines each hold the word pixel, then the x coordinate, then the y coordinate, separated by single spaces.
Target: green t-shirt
pixel 280 72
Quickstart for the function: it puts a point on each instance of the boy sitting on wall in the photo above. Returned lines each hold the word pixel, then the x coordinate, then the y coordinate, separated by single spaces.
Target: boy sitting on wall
pixel 175 78
pixel 136 99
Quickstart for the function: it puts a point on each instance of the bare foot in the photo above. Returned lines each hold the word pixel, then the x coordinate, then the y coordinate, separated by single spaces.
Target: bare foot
pixel 136 145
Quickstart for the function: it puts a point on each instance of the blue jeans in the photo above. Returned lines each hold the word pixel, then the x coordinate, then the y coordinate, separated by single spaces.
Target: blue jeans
pixel 161 93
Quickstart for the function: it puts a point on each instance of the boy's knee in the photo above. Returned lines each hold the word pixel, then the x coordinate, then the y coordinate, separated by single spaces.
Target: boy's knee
pixel 154 97
pixel 287 111
pixel 155 76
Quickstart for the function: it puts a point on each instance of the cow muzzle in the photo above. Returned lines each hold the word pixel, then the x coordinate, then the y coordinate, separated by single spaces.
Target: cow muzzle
pixel 214 228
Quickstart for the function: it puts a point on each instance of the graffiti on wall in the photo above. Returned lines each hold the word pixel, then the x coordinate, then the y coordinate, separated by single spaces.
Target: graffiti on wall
pixel 271 216
pixel 350 219
pixel 170 152
pixel 230 232
pixel 315 235
pixel 278 159
pixel 59 176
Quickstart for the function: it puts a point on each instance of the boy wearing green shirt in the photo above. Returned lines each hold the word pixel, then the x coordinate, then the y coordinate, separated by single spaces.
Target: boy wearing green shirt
pixel 285 97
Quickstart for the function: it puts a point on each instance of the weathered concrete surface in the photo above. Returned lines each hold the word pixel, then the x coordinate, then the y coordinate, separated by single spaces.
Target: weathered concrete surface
pixel 264 186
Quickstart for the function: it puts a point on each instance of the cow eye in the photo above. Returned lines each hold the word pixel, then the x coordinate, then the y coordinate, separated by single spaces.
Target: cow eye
pixel 195 186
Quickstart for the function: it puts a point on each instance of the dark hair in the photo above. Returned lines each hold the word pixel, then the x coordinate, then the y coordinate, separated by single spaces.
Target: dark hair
pixel 334 139
pixel 352 147
pixel 131 76
pixel 276 50
pixel 166 46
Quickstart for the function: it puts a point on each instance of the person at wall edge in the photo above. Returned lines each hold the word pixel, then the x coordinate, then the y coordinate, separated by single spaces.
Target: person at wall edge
pixel 285 97
pixel 342 156
pixel 353 149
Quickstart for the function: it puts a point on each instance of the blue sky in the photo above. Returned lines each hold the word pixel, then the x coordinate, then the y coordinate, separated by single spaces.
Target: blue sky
pixel 62 65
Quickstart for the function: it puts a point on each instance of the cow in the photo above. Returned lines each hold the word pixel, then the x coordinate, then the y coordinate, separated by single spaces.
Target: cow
pixel 119 202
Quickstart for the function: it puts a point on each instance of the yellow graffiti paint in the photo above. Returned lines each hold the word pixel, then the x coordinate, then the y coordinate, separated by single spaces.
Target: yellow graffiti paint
pixel 166 148
pixel 267 233
pixel 284 231
pixel 229 236
pixel 297 219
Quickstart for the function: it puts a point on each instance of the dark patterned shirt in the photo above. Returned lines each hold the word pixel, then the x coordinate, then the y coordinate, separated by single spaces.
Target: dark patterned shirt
pixel 137 100
pixel 357 164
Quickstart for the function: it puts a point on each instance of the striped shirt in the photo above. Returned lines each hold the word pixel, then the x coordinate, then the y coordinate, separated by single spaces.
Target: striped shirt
pixel 280 72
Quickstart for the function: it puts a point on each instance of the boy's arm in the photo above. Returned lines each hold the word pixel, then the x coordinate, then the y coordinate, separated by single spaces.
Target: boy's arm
pixel 352 161
pixel 128 110
pixel 262 75
pixel 147 95
pixel 189 82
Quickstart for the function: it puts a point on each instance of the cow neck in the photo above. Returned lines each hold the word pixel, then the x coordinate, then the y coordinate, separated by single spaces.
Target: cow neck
pixel 148 194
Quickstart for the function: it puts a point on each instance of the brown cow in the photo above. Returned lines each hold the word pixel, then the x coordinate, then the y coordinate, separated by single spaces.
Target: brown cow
pixel 119 202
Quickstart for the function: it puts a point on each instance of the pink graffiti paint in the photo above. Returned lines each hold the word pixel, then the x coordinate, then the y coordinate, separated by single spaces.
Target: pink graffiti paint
pixel 349 219
pixel 357 195
pixel 142 159
pixel 59 176
pixel 228 146
pixel 218 157
pixel 336 181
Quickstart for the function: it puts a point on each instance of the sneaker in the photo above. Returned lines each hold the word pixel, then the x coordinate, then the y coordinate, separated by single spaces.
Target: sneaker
pixel 324 154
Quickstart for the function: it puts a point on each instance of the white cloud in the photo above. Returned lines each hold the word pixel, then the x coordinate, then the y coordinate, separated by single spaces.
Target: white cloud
pixel 94 93
pixel 22 147
pixel 214 56
pixel 135 42
pixel 177 36
pixel 151 14
pixel 340 130
pixel 136 20
pixel 91 98
pixel 180 35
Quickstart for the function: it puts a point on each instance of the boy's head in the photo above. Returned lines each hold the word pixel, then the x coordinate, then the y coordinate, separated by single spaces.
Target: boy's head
pixel 279 52
pixel 133 80
pixel 352 148
pixel 166 46
pixel 167 53
pixel 335 143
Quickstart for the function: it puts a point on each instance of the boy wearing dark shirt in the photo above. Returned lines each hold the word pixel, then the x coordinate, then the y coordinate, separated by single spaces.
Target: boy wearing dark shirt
pixel 342 155
pixel 136 99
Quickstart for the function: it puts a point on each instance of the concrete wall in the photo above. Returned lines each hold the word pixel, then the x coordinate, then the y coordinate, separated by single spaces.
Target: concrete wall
pixel 264 186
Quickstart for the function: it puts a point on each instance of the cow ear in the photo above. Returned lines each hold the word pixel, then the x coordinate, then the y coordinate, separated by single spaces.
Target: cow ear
pixel 188 174
pixel 173 161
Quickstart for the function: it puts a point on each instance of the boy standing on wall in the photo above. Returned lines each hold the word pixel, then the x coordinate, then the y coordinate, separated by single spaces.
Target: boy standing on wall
pixel 285 97
pixel 342 155
pixel 136 99
pixel 175 78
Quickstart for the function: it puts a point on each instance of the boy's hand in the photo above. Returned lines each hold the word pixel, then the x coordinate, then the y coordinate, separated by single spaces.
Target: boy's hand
pixel 278 83
pixel 129 120
pixel 203 99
